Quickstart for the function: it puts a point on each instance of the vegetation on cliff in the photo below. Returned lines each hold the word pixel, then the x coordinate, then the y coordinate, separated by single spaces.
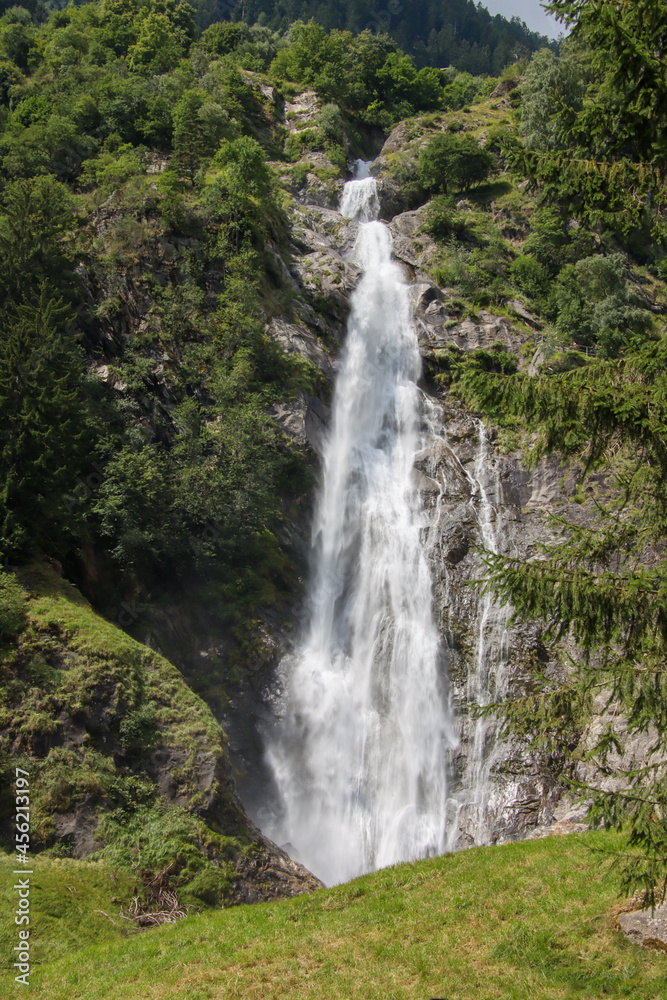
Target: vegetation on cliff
pixel 127 765
pixel 153 442
pixel 140 239
pixel 148 170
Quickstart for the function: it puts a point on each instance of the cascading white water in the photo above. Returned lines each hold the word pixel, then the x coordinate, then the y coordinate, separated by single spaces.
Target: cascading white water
pixel 487 680
pixel 359 757
pixel 476 802
pixel 360 201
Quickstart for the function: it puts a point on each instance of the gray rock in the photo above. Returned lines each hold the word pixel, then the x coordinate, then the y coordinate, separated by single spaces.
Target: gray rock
pixel 304 420
pixel 456 545
pixel 521 311
pixel 299 340
pixel 645 927
pixel 78 828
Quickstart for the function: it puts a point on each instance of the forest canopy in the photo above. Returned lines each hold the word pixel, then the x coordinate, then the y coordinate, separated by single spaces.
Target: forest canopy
pixel 124 124
pixel 457 33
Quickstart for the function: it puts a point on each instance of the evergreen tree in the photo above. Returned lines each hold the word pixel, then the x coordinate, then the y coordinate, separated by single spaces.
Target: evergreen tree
pixel 199 125
pixel 43 422
pixel 608 157
pixel 604 582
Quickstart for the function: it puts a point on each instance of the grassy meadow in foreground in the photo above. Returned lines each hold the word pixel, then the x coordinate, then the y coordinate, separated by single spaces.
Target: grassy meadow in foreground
pixel 526 921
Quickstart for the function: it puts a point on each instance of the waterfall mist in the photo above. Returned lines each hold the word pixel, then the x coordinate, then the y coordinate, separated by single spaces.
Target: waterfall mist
pixel 359 755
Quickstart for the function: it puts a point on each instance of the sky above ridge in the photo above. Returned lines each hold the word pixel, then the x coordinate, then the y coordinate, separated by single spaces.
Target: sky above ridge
pixel 530 11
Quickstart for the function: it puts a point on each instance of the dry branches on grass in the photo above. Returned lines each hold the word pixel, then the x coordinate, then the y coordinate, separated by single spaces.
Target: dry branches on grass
pixel 159 904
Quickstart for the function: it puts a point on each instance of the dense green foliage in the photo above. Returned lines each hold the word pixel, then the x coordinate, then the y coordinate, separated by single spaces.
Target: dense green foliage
pixel 457 33
pixel 593 304
pixel 603 582
pixel 366 73
pixel 97 102
pixel 594 118
pixel 453 160
pixel 122 130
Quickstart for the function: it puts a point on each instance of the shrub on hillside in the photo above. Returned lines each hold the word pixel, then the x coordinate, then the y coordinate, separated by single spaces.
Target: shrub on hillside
pixel 453 161
pixel 530 276
pixel 12 606
pixel 443 220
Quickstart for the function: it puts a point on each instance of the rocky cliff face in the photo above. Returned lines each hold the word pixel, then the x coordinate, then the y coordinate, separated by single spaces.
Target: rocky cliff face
pixel 474 495
pixel 474 492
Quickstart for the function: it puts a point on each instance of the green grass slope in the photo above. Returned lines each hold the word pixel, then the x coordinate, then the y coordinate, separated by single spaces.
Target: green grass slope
pixel 70 907
pixel 526 921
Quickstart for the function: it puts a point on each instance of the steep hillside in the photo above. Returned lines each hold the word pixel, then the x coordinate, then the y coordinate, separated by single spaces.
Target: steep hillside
pixel 126 764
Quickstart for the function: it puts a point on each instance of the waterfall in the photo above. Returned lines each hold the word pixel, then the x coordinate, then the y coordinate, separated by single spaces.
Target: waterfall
pixel 476 808
pixel 477 801
pixel 360 200
pixel 486 681
pixel 359 754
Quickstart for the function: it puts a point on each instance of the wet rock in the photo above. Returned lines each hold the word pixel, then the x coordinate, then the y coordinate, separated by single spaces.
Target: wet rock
pixel 424 483
pixel 392 198
pixel 443 465
pixel 412 246
pixel 456 545
pixel 516 486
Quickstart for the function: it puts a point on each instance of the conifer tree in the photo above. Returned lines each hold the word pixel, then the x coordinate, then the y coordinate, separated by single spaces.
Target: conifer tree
pixel 43 426
pixel 608 161
pixel 604 583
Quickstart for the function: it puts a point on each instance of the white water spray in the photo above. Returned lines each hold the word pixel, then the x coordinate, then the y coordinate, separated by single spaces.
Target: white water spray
pixel 359 757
